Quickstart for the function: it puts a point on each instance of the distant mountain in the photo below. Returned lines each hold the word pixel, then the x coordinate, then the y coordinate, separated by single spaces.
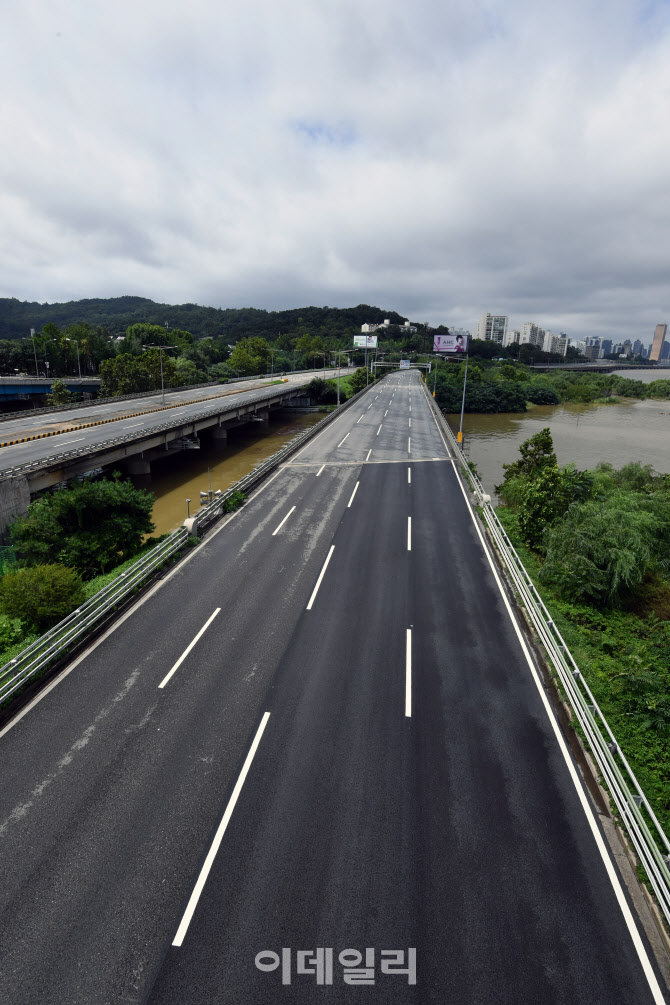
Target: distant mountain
pixel 17 317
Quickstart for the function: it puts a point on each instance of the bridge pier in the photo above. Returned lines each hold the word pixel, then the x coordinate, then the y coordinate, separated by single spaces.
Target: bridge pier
pixel 219 434
pixel 138 466
pixel 14 499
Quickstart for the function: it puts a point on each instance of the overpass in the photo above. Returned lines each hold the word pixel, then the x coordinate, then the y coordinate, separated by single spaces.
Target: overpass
pixel 318 751
pixel 37 452
pixel 26 388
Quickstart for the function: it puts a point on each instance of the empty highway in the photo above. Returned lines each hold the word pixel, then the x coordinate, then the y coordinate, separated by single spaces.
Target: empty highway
pixel 317 754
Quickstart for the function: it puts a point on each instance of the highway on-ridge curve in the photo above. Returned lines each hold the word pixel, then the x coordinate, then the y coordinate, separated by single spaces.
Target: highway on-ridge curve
pixel 320 731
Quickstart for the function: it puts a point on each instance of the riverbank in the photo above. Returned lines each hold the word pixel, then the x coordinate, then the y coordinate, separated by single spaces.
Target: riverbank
pixel 583 434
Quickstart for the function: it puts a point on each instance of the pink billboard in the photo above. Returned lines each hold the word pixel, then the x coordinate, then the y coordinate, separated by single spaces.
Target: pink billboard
pixel 450 343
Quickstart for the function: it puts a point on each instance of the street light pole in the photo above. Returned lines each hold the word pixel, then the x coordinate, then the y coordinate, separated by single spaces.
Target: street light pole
pixel 465 380
pixel 435 377
pixel 32 335
pixel 77 345
pixel 160 353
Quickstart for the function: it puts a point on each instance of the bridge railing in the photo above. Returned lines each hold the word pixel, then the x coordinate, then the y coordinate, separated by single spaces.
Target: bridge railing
pixel 643 828
pixel 60 639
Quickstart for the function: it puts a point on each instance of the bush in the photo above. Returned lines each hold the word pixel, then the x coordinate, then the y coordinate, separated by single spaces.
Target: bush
pixel 90 526
pixel 41 596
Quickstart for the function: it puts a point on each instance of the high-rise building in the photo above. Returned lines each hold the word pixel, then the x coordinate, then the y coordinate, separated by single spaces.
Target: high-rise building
pixel 492 327
pixel 605 347
pixel 512 337
pixel 532 334
pixel 659 339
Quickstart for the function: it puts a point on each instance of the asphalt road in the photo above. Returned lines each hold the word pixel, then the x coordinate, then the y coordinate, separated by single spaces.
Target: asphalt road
pixel 126 417
pixel 311 776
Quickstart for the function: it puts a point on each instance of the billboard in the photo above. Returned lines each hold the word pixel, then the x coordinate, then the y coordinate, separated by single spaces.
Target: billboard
pixel 404 364
pixel 450 343
pixel 365 341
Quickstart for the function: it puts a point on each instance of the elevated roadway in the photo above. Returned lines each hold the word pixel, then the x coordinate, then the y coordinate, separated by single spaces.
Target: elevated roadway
pixel 323 730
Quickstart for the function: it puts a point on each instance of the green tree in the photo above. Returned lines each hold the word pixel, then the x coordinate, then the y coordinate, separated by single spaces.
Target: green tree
pixel 90 526
pixel 602 550
pixel 41 596
pixel 536 453
pixel 359 380
pixel 250 356
pixel 60 394
pixel 129 374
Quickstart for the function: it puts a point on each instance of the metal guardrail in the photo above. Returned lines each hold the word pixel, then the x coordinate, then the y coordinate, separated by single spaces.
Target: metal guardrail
pixel 61 638
pixel 644 830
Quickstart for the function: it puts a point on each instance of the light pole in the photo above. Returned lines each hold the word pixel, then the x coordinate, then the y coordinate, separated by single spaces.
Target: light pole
pixel 435 377
pixel 272 352
pixel 77 345
pixel 160 351
pixel 465 380
pixel 46 361
pixel 338 353
pixel 32 335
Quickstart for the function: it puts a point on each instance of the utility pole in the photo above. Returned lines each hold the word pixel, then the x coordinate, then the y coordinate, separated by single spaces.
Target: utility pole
pixel 32 335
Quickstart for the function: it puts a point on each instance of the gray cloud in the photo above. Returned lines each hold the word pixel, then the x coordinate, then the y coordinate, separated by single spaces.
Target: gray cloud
pixel 443 162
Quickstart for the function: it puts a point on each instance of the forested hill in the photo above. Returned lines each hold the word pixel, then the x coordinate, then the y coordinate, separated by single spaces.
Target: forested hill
pixel 116 313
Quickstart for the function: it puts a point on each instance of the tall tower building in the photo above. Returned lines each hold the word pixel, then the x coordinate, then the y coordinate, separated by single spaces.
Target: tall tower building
pixel 492 327
pixel 657 344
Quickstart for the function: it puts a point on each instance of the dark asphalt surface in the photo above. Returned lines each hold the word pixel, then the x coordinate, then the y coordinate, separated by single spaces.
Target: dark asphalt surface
pixel 456 830
pixel 127 417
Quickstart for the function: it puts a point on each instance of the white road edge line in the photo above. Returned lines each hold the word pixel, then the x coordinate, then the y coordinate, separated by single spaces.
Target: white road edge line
pixel 320 470
pixel 409 533
pixel 343 439
pixel 318 582
pixel 283 522
pixel 218 837
pixel 588 813
pixel 189 647
pixel 408 674
pixel 353 494
pixel 409 476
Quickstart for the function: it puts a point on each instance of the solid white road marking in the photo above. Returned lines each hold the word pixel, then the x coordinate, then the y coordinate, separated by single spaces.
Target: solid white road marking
pixel 189 647
pixel 283 521
pixel 409 444
pixel 378 431
pixel 409 533
pixel 386 413
pixel 64 442
pixel 218 837
pixel 321 575
pixel 353 494
pixel 320 470
pixel 132 425
pixel 410 422
pixel 359 419
pixel 612 876
pixel 369 452
pixel 408 674
pixel 343 439
pixel 409 476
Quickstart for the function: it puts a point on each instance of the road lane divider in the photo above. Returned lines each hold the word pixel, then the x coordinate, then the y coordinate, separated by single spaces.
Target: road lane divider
pixel 409 444
pixel 368 457
pixel 408 674
pixel 409 533
pixel 320 470
pixel 188 648
pixel 277 529
pixel 342 440
pixel 353 494
pixel 379 430
pixel 321 575
pixel 218 837
pixel 409 476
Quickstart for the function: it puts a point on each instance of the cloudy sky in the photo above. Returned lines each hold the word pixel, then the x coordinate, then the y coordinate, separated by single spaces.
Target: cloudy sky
pixel 440 159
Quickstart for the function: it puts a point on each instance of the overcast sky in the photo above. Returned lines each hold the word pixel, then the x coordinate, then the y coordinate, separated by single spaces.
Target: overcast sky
pixel 439 159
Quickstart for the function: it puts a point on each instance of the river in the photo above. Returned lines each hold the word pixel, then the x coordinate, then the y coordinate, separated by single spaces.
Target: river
pixel 183 475
pixel 632 430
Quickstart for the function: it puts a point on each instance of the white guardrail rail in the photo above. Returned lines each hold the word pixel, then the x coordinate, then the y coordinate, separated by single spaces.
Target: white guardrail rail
pixel 60 639
pixel 645 832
